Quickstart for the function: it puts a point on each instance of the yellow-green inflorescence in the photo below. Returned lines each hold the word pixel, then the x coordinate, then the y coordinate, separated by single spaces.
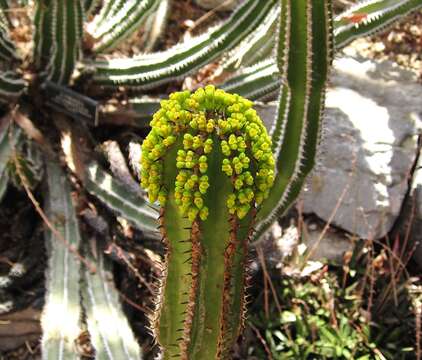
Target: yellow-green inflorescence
pixel 199 122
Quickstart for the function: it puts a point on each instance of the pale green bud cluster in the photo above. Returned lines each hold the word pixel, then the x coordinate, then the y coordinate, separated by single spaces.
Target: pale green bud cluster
pixel 198 123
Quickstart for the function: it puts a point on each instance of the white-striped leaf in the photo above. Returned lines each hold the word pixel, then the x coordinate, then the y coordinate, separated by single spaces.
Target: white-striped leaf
pixel 8 51
pixel 11 87
pixel 122 23
pixel 4 182
pixel 117 197
pixel 90 6
pixel 8 133
pixel 62 312
pixel 256 47
pixel 370 16
pixel 155 25
pixel 63 19
pixel 101 301
pixel 152 69
pixel 255 82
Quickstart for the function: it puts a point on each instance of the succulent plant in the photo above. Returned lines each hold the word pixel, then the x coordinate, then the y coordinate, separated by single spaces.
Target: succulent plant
pixel 208 160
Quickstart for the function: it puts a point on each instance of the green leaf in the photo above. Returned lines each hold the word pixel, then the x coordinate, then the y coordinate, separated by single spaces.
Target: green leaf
pixel 153 69
pixel 368 17
pixel 11 87
pixel 122 23
pixel 62 312
pixel 58 36
pixel 7 133
pixel 103 308
pixel 117 197
pixel 255 82
pixel 257 46
pixel 156 25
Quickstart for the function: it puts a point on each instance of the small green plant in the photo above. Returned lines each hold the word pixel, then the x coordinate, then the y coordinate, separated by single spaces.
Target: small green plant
pixel 361 309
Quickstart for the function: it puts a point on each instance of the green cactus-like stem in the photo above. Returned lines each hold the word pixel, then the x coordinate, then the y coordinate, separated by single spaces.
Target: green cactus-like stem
pixel 58 33
pixel 304 56
pixel 149 70
pixel 208 162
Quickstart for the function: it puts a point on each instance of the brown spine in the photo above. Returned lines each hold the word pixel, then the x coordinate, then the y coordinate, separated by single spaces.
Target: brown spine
pixel 196 262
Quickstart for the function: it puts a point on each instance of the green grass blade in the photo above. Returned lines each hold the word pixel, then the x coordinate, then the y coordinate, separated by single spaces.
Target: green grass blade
pixel 120 199
pixel 304 56
pixel 122 24
pixel 62 312
pixel 152 69
pixel 101 301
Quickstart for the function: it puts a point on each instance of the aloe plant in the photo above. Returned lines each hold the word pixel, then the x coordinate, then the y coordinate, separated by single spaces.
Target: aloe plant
pixel 197 173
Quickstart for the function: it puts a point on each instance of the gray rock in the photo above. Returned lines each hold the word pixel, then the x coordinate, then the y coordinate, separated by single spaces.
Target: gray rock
pixel 368 149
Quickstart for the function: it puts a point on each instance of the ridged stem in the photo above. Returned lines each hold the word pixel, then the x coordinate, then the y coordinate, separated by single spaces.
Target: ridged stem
pixel 208 162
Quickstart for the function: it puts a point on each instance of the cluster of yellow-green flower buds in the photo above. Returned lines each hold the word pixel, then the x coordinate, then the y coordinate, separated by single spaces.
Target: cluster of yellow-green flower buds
pixel 199 122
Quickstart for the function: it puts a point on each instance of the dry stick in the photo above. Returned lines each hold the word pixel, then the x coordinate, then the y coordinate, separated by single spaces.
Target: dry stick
pixel 267 277
pixel 209 14
pixel 330 219
pixel 371 281
pixel 38 208
pixel 132 303
pixel 334 212
pixel 393 273
pixel 262 340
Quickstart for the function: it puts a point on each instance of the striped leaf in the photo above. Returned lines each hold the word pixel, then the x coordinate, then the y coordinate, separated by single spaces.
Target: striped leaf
pixel 255 82
pixel 101 301
pixel 4 182
pixel 152 69
pixel 109 8
pixel 8 51
pixel 120 199
pixel 155 25
pixel 368 17
pixel 43 23
pixel 257 46
pixel 62 313
pixel 90 6
pixel 4 16
pixel 30 161
pixel 304 56
pixel 11 87
pixel 122 23
pixel 8 133
pixel 63 20
pixel 364 18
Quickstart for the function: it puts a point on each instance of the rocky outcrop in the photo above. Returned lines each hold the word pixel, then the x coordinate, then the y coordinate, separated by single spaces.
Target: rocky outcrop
pixel 369 147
